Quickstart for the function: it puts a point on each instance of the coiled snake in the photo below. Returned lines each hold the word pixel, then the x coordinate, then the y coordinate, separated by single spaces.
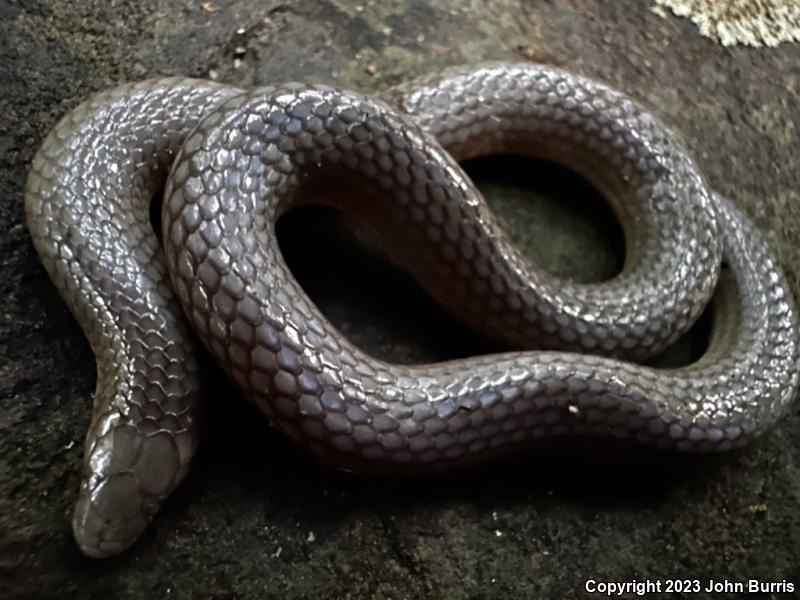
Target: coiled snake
pixel 234 161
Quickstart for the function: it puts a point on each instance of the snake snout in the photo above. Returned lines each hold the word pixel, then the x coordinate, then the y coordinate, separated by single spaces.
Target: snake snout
pixel 99 535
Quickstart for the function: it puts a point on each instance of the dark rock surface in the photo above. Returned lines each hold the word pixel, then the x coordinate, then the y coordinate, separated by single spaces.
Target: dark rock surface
pixel 257 518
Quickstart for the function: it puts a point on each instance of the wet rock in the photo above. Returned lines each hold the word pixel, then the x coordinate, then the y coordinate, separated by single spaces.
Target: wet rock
pixel 257 518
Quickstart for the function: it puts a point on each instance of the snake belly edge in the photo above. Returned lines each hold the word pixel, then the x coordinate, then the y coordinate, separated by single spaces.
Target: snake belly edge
pixel 234 161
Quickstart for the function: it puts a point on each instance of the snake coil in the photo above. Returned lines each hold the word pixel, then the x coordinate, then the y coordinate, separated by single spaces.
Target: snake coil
pixel 231 162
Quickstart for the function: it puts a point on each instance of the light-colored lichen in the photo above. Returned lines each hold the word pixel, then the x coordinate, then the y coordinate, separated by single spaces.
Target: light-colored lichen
pixel 748 22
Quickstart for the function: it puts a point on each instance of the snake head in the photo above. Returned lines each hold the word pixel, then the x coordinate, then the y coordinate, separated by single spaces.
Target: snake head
pixel 127 475
pixel 138 449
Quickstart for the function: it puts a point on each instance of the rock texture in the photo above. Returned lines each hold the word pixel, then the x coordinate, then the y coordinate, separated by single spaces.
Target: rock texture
pixel 257 518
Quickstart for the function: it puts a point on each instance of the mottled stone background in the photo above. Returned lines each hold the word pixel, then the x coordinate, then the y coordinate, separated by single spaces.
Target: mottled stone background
pixel 257 518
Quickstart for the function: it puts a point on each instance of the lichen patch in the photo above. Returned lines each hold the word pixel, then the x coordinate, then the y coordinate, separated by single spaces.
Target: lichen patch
pixel 747 22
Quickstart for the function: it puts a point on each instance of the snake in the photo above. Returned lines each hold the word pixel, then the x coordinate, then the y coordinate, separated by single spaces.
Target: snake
pixel 229 162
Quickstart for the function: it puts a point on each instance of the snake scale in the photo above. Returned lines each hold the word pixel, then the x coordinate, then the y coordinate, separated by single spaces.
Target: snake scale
pixel 230 162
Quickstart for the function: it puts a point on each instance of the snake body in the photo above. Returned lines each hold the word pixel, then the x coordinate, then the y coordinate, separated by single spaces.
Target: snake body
pixel 231 162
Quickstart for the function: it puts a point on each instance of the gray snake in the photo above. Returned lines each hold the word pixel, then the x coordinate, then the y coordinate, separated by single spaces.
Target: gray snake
pixel 230 162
